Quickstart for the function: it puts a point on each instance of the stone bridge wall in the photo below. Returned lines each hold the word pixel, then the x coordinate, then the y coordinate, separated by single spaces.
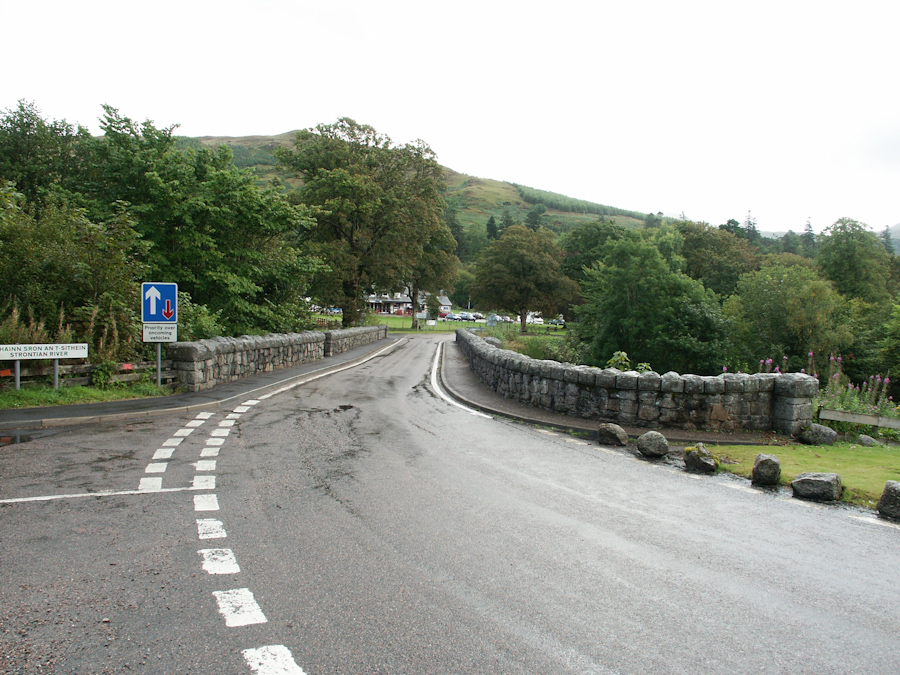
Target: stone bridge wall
pixel 205 363
pixel 762 401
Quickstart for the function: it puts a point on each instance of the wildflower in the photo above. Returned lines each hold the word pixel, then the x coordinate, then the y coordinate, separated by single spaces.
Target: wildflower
pixel 832 357
pixel 839 359
pixel 809 355
pixel 803 370
pixel 777 370
pixel 724 369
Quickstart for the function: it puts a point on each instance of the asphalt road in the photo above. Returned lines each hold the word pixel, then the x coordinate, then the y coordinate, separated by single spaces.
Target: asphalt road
pixel 360 523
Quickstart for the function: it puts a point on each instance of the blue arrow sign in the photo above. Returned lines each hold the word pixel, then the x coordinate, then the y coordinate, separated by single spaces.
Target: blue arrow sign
pixel 159 302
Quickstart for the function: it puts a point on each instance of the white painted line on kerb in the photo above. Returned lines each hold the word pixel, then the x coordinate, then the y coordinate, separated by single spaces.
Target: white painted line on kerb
pixel 875 521
pixel 272 660
pixel 330 372
pixel 209 452
pixel 210 528
pixel 205 465
pixel 440 391
pixel 219 561
pixel 239 607
pixel 206 503
pixel 742 488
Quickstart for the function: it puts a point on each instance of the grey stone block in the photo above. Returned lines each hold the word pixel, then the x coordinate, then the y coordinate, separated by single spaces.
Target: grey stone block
pixel 818 487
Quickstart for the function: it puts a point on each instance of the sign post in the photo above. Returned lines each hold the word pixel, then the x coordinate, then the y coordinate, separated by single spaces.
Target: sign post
pixel 159 313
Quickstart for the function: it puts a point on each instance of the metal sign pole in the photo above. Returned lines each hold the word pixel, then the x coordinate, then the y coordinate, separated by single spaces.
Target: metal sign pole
pixel 56 373
pixel 18 372
pixel 158 364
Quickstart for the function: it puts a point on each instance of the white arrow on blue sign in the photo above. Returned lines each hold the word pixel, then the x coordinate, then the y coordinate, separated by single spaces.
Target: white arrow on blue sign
pixel 159 302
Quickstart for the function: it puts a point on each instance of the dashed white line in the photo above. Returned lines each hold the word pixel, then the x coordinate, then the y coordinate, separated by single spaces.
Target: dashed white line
pixel 227 423
pixel 184 432
pixel 272 660
pixel 209 528
pixel 209 452
pixel 233 416
pixel 163 453
pixel 219 561
pixel 156 467
pixel 239 607
pixel 204 415
pixel 204 483
pixel 172 442
pixel 205 465
pixel 206 503
pixel 250 402
pixel 220 432
pixel 242 409
pixel 215 441
pixel 195 423
pixel 150 485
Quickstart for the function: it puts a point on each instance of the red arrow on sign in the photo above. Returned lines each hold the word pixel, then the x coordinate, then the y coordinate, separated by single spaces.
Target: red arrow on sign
pixel 167 312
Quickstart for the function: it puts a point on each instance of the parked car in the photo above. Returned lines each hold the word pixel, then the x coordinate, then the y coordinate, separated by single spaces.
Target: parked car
pixel 465 316
pixel 452 317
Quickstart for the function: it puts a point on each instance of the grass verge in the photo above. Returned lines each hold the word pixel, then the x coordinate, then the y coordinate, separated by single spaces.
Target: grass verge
pixel 863 471
pixel 39 396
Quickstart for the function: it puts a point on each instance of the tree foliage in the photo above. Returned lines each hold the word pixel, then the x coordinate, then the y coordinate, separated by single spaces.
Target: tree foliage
pixel 377 204
pixel 522 272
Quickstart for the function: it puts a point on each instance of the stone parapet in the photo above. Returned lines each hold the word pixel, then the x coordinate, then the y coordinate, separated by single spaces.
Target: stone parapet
pixel 727 402
pixel 339 341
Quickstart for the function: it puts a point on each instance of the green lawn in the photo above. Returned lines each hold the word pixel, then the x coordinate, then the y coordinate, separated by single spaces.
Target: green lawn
pixel 45 395
pixel 863 471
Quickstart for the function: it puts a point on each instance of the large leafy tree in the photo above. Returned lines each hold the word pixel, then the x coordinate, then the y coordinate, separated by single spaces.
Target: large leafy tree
pixel 434 269
pixel 378 204
pixel 716 256
pixel 522 272
pixel 635 300
pixel 233 246
pixel 855 261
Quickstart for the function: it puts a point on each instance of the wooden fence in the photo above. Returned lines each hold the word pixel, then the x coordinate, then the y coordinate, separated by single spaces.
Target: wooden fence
pixel 81 374
pixel 859 418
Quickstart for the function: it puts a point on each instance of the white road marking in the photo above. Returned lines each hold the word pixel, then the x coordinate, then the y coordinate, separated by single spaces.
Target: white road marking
pixel 226 423
pixel 156 467
pixel 163 453
pixel 172 442
pixel 875 521
pixel 209 452
pixel 147 486
pixel 204 415
pixel 233 416
pixel 184 432
pixel 219 561
pixel 576 441
pixel 272 660
pixel 440 392
pixel 252 401
pixel 210 528
pixel 205 465
pixel 150 485
pixel 221 433
pixel 204 483
pixel 206 503
pixel 742 488
pixel 195 423
pixel 215 441
pixel 801 502
pixel 242 409
pixel 239 607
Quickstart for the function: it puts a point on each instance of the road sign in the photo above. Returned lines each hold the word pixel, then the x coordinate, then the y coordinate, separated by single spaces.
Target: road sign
pixel 78 350
pixel 159 302
pixel 160 332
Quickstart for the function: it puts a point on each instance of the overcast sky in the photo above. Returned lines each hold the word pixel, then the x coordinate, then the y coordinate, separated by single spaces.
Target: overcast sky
pixel 788 110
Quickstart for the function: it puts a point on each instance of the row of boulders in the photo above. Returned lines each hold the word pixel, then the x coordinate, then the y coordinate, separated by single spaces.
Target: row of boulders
pixel 812 486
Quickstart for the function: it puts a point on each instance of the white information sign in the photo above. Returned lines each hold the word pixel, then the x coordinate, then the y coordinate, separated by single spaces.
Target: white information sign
pixel 20 352
pixel 160 332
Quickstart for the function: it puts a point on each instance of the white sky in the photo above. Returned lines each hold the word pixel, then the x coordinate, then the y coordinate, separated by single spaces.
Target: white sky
pixel 787 109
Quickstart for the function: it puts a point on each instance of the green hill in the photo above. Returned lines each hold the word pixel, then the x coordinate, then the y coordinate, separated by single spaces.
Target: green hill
pixel 475 199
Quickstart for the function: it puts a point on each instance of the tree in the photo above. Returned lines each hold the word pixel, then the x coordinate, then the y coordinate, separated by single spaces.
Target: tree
pixel 463 287
pixel 376 203
pixel 887 240
pixel 715 256
pixel 521 272
pixel 434 269
pixel 534 218
pixel 634 301
pixel 492 232
pixel 586 244
pixel 787 308
pixel 854 259
pixel 809 241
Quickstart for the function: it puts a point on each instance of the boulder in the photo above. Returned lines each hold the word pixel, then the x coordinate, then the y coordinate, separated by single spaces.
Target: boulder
pixel 766 470
pixel 867 441
pixel 818 434
pixel 889 504
pixel 697 459
pixel 612 434
pixel 494 342
pixel 817 487
pixel 653 444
